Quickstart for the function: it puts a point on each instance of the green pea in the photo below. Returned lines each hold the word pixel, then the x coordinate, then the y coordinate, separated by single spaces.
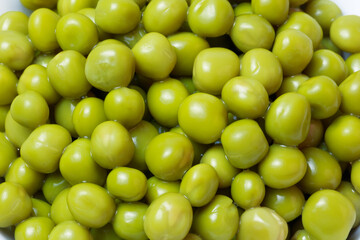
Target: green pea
pixel 157 187
pixel 8 153
pixel 70 230
pixel 14 21
pixel 8 81
pixel 60 211
pixel 53 185
pixel 35 228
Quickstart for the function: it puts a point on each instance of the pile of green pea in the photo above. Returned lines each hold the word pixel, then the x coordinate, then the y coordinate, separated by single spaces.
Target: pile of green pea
pixel 179 119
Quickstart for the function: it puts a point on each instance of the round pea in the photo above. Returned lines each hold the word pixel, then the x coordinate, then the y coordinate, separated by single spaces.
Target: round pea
pixel 169 155
pixel 213 67
pixel 324 210
pixel 42 25
pixel 8 81
pixel 169 216
pixel 287 202
pixel 291 84
pixel 90 13
pixel 8 153
pixel 43 59
pixel 243 8
pixel 88 114
pixel 35 228
pixel 187 46
pixel 66 72
pixel 117 141
pixel 43 148
pixel 349 191
pixel 90 204
pixel 323 171
pixel 15 204
pixel 247 189
pixel 40 208
pixel 141 136
pixel 19 172
pixel 210 18
pixel 286 48
pixel 199 184
pixel 117 16
pixel 109 66
pixel 315 135
pixel 60 211
pixel 157 187
pixel 128 221
pixel 63 113
pixel 131 38
pixel 323 95
pixel 69 230
pixel 349 90
pixel 288 119
pixel 275 11
pixel 35 78
pixel 154 56
pixel 16 133
pixel 283 166
pixel 24 54
pixel 69 6
pixel 202 117
pixel 262 223
pixel 217 220
pixel 342 138
pixel 164 16
pixel 344 32
pixel 14 21
pixel 164 99
pixel 353 63
pixel 54 183
pixel 77 165
pixel 251 31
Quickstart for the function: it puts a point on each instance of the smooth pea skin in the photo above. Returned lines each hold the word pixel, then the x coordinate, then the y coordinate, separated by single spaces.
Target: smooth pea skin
pixel 88 114
pixel 127 184
pixel 353 63
pixel 245 97
pixel 315 135
pixel 109 66
pixel 24 106
pixel 323 95
pixel 210 18
pixel 14 21
pixel 217 220
pixel 43 59
pixel 328 63
pixel 35 78
pixel 116 139
pixel 141 136
pixel 75 31
pixel 323 212
pixel 287 202
pixel 90 204
pixel 301 235
pixel 215 156
pixel 275 11
pixel 19 172
pixel 42 25
pixel 128 220
pixel 40 208
pixel 252 31
pixel 168 217
pixel 117 16
pixel 64 114
pixel 69 230
pixel 131 38
pixel 8 153
pixel 35 228
pixel 262 223
pixel 164 16
pixel 68 6
pixel 247 189
pixel 343 138
pixel 13 197
pixel 199 184
pixel 288 119
pixel 35 4
pixel 154 56
pixel 213 67
pixel 323 171
pixel 66 72
pixel 349 191
pixel 43 148
pixel 291 84
pixel 59 209
pixel 164 99
pixel 53 185
pixel 90 13
pixel 344 32
pixel 187 46
pixel 16 51
pixel 294 50
pixel 202 117
pixel 283 166
pixel 117 107
pixel 169 155
pixel 157 187
pixel 77 165
pixel 264 66
pixel 8 81
pixel 244 143
pixel 350 94
pixel 15 132
pixel 305 23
